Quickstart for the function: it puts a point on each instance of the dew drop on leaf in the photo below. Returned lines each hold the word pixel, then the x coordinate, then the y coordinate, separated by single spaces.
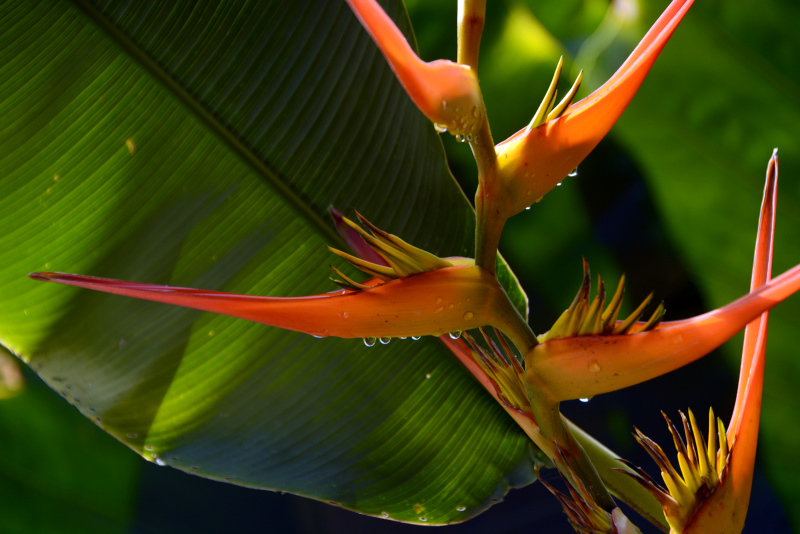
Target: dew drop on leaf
pixel 369 341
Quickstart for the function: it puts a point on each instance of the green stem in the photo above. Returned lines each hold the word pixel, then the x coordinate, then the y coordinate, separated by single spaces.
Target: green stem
pixel 622 486
pixel 490 220
pixel 554 427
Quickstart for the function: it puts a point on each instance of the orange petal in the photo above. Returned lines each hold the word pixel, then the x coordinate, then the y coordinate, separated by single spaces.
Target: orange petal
pixel 762 272
pixel 432 303
pixel 583 366
pixel 446 92
pixel 533 161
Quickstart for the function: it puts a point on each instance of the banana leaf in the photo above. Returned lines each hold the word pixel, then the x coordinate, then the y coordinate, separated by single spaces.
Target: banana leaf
pixel 200 145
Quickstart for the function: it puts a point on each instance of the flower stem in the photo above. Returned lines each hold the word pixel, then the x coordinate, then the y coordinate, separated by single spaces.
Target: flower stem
pixel 490 218
pixel 471 17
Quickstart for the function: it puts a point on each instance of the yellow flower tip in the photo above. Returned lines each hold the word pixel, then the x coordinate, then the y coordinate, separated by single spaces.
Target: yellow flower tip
pixel 397 258
pixel 446 92
pixel 535 159
pixel 688 498
pixel 587 317
pixel 500 366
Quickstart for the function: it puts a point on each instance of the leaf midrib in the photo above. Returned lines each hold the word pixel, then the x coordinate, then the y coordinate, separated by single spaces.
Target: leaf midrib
pixel 215 125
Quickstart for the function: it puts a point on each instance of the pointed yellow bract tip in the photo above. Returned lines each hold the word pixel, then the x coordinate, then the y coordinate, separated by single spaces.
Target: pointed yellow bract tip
pixel 702 468
pixel 402 258
pixel 586 317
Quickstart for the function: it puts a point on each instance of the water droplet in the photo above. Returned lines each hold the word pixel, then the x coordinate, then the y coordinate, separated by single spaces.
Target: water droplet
pixel 346 315
pixel 468 316
pixel 423 519
pixel 574 172
pixel 369 341
pixel 437 310
pixel 384 514
pixel 528 208
pixel 455 335
pixel 148 447
pixel 460 138
pixel 451 306
pixel 461 508
pixel 160 462
pixel 594 367
pixel 318 337
pixel 133 436
pixel 476 111
pixel 415 338
pixel 585 399
pixel 444 104
pixel 469 138
pixel 403 337
pixel 558 184
pixel 427 375
pixel 385 340
pixel 440 128
pixel 438 300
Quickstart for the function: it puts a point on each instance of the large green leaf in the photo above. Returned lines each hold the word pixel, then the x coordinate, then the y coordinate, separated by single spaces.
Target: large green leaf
pixel 198 145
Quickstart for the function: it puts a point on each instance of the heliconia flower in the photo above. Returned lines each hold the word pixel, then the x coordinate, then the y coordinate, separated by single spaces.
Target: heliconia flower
pixel 711 493
pixel 446 92
pixel 419 294
pixel 591 353
pixel 535 159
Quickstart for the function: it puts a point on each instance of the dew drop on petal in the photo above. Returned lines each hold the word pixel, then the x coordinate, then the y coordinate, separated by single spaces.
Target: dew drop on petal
pixel 468 316
pixel 438 300
pixel 385 340
pixel 528 208
pixel 594 367
pixel 455 335
pixel 369 341
pixel 558 184
pixel 574 172
pixel 415 338
pixel 585 399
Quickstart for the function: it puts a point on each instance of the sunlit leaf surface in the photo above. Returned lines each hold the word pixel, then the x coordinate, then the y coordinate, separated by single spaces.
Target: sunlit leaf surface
pixel 195 145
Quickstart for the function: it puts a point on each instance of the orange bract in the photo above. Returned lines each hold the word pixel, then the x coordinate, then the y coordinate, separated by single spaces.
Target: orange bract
pixel 534 160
